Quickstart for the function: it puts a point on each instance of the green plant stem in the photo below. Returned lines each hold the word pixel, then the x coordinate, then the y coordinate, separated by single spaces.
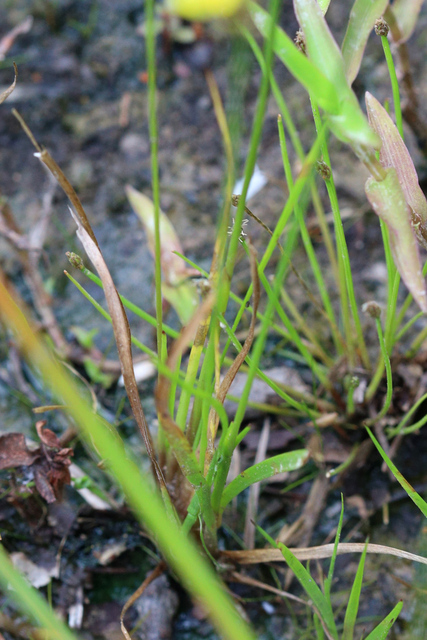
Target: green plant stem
pixel 389 332
pixel 229 437
pixel 406 305
pixel 389 394
pixel 399 429
pixel 394 84
pixel 107 316
pixel 416 343
pixel 152 125
pixel 293 135
pixel 343 265
pixel 283 219
pixel 408 325
pixel 307 243
pixel 225 281
pixel 132 307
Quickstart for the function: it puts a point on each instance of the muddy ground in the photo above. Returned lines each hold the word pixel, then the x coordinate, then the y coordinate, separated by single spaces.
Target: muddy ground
pixel 82 91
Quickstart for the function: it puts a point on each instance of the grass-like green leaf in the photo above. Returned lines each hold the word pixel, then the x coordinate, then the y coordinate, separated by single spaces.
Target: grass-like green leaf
pixel 318 599
pixel 415 497
pixel 322 604
pixel 301 67
pixel 381 630
pixel 288 461
pixel 183 556
pixel 28 599
pixel 328 581
pixel 353 602
pixel 388 201
pixel 361 22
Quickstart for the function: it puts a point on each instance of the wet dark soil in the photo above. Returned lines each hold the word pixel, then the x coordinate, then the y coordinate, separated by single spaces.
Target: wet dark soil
pixel 82 91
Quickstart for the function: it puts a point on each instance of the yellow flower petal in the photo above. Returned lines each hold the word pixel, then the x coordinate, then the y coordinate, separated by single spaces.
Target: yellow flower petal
pixel 205 9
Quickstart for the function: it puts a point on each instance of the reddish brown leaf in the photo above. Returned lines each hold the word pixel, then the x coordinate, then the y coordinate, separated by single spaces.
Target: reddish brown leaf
pixel 43 485
pixel 48 437
pixel 14 451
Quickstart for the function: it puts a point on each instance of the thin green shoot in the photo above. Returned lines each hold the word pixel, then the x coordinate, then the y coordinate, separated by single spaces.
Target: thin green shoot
pixel 283 219
pixel 318 599
pixel 399 335
pixel 344 267
pixel 328 582
pixel 251 157
pixel 394 84
pixel 154 150
pixel 372 388
pixel 353 602
pixel 381 631
pixel 317 271
pixel 130 305
pixel 415 497
pixel 400 428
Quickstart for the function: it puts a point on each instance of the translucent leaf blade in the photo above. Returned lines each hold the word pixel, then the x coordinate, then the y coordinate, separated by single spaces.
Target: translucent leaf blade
pixel 394 153
pixel 406 15
pixel 349 124
pixel 301 68
pixel 361 22
pixel 388 201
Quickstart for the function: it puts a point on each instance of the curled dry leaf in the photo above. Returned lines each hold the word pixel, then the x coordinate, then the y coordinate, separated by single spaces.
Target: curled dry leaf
pixel 5 94
pixel 49 463
pixel 115 306
pixel 14 451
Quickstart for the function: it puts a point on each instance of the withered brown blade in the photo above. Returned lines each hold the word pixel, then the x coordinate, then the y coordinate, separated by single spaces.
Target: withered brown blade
pixel 5 94
pixel 115 307
pixel 14 451
pixel 315 553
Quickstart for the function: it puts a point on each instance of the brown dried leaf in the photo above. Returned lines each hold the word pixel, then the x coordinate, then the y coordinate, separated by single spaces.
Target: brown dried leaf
pixel 256 556
pixel 115 307
pixel 48 437
pixel 9 90
pixel 43 485
pixel 14 451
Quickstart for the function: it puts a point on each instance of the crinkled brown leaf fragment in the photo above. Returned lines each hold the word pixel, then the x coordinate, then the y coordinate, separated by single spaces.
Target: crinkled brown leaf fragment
pixel 49 463
pixel 14 452
pixel 388 202
pixel 43 485
pixel 48 437
pixel 394 153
